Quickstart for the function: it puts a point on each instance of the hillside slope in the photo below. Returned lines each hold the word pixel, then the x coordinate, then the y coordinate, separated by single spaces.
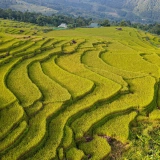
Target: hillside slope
pixel 148 9
pixel 78 94
pixel 133 10
pixel 6 3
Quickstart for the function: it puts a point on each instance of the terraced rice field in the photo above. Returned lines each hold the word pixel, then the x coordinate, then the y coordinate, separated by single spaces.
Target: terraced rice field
pixel 83 99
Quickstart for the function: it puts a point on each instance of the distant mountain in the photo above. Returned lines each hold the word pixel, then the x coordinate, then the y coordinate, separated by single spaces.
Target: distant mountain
pixel 133 10
pixel 6 3
pixel 21 5
pixel 145 9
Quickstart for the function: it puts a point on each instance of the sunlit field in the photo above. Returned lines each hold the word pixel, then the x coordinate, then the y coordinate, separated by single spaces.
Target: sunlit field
pixel 78 94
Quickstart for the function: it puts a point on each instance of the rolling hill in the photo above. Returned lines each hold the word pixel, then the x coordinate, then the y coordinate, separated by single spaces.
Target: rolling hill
pixel 133 10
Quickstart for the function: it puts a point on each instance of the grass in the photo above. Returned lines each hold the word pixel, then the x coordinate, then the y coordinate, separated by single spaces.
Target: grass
pixel 145 140
pixel 78 94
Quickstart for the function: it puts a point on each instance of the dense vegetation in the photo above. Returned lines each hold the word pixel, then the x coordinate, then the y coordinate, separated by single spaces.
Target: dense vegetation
pixel 55 20
pixel 133 10
pixel 43 20
pixel 78 94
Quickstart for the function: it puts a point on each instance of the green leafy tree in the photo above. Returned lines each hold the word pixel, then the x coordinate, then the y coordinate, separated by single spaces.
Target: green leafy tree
pixel 123 23
pixel 105 23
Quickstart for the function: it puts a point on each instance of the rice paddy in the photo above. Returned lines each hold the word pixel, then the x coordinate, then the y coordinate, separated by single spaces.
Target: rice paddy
pixel 78 94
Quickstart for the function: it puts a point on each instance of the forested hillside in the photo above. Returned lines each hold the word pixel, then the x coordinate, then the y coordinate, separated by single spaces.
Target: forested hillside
pixel 133 10
pixel 148 9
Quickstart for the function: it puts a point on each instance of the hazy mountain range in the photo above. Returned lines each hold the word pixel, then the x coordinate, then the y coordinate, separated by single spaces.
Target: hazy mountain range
pixel 133 10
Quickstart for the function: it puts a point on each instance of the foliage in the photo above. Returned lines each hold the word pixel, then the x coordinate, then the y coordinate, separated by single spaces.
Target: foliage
pixel 42 20
pixel 145 140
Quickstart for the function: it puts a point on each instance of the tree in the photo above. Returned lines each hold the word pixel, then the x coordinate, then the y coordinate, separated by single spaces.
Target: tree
pixel 105 23
pixel 123 23
pixel 156 29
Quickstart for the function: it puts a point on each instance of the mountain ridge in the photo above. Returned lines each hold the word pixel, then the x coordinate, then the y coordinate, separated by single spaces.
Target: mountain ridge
pixel 133 10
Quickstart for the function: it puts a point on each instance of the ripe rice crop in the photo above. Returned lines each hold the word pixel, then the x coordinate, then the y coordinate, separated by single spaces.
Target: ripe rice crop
pixel 78 93
pixel 35 134
pixel 98 148
pixel 7 97
pixel 133 62
pixel 117 127
pixel 8 119
pixel 13 136
pixel 20 84
pixel 68 137
pixel 155 115
pixel 74 154
pixel 51 91
pixel 76 85
pixel 82 124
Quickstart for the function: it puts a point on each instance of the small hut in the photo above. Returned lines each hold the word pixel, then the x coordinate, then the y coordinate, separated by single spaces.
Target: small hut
pixel 94 25
pixel 62 25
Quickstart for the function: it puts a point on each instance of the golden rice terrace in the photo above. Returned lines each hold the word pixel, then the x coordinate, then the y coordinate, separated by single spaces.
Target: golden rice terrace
pixel 78 94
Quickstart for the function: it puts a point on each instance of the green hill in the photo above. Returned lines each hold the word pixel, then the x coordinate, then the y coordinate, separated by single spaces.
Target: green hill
pixel 133 10
pixel 78 94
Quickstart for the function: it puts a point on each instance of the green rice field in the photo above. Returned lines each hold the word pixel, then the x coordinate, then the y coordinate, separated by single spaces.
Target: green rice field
pixel 78 94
